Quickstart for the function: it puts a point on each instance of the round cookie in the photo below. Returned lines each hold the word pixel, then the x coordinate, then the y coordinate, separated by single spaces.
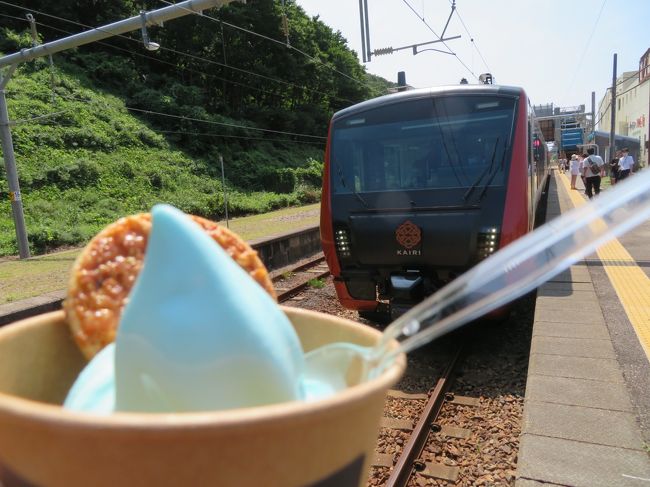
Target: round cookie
pixel 107 268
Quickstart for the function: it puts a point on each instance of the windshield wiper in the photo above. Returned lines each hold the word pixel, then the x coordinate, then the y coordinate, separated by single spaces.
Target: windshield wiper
pixel 494 173
pixel 482 175
pixel 342 179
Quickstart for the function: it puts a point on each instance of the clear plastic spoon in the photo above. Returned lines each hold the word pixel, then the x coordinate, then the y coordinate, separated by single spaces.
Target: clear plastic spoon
pixel 505 276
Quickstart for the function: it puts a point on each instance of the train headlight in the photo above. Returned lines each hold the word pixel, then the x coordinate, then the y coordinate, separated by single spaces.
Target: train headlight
pixel 342 242
pixel 487 242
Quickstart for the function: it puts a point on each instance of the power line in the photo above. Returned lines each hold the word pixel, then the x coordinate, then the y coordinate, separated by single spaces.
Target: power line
pixel 73 98
pixel 290 141
pixel 282 43
pixel 152 58
pixel 633 75
pixel 444 43
pixel 609 104
pixel 15 18
pixel 37 120
pixel 628 90
pixel 38 117
pixel 171 115
pixel 211 122
pixel 618 82
pixel 162 48
pixel 584 51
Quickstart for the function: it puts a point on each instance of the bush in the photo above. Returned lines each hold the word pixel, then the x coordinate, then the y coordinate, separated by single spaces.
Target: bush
pixel 79 174
pixel 312 175
pixel 279 180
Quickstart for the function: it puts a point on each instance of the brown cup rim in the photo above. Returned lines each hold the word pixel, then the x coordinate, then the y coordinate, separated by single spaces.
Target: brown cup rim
pixel 236 418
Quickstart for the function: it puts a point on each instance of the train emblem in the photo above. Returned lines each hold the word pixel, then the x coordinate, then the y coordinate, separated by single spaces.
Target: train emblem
pixel 408 235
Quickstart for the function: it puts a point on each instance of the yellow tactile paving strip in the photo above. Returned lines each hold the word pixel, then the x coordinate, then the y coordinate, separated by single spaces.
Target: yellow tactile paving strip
pixel 631 284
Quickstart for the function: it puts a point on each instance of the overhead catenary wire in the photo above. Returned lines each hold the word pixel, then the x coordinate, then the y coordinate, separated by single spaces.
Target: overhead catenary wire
pixel 443 42
pixel 163 48
pixel 471 37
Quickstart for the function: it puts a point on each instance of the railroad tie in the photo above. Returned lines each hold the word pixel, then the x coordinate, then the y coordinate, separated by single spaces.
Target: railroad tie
pixel 462 400
pixel 396 424
pixel 454 432
pixel 440 471
pixel 383 460
pixel 395 394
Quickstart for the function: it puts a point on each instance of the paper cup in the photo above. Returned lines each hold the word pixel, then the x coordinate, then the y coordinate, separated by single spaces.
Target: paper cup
pixel 325 443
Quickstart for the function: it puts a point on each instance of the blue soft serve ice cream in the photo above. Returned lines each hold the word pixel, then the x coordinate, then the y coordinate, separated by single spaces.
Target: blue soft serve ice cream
pixel 197 334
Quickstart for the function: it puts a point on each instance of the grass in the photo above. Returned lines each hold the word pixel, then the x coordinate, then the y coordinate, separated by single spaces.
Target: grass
pixel 276 222
pixel 316 283
pixel 22 279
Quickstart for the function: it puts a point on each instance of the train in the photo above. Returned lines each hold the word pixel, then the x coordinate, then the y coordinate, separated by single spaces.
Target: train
pixel 420 185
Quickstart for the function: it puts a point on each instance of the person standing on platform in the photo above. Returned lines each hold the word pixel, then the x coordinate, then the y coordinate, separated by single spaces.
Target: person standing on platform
pixel 583 162
pixel 625 164
pixel 574 168
pixel 593 168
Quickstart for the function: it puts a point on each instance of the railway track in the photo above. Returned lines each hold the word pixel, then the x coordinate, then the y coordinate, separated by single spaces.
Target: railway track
pixel 294 280
pixel 410 464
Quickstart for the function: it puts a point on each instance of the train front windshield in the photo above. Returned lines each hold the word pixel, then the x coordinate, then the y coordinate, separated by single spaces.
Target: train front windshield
pixel 428 143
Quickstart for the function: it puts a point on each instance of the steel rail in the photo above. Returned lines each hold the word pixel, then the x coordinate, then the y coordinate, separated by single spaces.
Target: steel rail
pixel 404 467
pixel 311 263
pixel 289 293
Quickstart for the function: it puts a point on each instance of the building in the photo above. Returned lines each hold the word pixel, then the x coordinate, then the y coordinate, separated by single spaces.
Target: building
pixel 632 108
pixel 563 127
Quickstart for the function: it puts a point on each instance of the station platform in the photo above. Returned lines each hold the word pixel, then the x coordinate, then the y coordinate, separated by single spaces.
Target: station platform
pixel 587 405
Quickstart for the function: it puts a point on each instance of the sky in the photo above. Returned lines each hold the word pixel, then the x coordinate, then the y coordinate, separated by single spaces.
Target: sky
pixel 559 51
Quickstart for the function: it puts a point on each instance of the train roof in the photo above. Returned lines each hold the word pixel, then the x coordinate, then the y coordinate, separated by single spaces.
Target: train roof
pixel 429 92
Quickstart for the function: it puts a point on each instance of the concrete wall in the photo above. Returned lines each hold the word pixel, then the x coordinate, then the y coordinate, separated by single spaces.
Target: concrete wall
pixel 285 249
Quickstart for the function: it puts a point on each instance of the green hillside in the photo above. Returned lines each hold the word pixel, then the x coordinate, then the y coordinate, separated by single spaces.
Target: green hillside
pixel 104 153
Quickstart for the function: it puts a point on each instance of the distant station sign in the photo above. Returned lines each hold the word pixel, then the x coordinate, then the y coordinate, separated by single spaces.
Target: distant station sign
pixel 571 138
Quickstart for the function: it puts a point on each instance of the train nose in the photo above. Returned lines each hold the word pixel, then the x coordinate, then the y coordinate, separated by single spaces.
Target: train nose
pixel 407 288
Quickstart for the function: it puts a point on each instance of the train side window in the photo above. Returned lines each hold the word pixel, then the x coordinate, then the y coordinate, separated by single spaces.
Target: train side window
pixel 530 146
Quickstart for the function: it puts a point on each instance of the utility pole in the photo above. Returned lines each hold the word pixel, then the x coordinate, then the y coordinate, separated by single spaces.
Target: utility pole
pixel 593 114
pixel 154 17
pixel 10 169
pixel 612 131
pixel 363 31
pixel 223 187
